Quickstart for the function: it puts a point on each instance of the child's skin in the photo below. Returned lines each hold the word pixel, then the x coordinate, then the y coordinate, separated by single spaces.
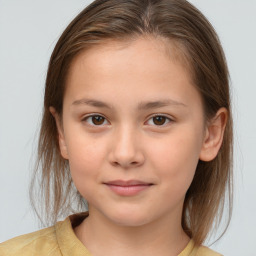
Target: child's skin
pixel 120 82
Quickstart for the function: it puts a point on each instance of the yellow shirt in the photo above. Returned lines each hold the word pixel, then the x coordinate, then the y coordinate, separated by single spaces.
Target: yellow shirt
pixel 60 240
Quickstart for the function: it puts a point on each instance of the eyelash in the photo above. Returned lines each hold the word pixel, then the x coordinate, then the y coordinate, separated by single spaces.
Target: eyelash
pixel 166 120
pixel 85 119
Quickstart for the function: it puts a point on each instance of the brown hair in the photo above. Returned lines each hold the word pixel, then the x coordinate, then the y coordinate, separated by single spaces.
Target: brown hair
pixel 196 39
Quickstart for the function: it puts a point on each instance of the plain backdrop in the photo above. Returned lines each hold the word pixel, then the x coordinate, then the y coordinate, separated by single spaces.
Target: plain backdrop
pixel 28 32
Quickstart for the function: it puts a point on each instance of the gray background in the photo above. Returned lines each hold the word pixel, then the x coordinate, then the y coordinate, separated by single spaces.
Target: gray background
pixel 28 31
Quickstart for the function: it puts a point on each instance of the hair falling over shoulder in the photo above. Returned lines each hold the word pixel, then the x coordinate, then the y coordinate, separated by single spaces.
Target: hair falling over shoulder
pixel 53 194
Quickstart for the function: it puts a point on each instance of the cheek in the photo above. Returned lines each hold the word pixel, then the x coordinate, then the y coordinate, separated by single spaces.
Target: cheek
pixel 85 159
pixel 176 159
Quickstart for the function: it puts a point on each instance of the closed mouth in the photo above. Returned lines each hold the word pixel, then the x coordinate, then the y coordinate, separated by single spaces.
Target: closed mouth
pixel 128 188
pixel 128 183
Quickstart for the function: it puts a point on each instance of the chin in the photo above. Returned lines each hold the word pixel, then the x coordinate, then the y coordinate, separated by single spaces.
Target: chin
pixel 129 218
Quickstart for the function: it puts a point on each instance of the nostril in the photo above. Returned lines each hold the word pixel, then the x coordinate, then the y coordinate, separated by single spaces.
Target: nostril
pixel 126 156
pixel 116 163
pixel 126 164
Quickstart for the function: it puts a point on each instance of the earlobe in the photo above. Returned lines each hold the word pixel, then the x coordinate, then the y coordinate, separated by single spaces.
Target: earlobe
pixel 214 135
pixel 62 143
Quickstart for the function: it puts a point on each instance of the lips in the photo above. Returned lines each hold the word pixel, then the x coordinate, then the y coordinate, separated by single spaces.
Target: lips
pixel 127 188
pixel 127 183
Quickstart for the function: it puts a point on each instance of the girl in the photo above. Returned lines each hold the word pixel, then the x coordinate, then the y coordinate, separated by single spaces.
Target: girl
pixel 137 124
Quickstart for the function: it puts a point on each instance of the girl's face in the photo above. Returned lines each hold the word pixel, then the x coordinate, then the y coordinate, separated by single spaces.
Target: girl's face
pixel 133 131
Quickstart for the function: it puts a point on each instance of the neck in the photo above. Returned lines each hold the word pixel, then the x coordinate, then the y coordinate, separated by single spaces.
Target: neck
pixel 103 237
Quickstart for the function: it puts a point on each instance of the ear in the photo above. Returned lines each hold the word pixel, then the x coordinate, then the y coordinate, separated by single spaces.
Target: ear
pixel 214 135
pixel 62 142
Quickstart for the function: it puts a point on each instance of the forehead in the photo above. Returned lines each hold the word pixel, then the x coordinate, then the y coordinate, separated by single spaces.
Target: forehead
pixel 147 68
pixel 147 44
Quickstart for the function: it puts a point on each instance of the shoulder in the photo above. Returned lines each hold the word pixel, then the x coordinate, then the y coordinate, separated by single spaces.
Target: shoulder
pixel 204 251
pixel 192 250
pixel 42 242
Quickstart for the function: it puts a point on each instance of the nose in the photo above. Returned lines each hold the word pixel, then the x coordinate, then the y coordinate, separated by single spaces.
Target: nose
pixel 126 149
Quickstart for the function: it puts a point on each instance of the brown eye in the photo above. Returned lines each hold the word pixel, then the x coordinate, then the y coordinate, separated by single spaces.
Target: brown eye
pixel 159 120
pixel 95 120
pixel 98 120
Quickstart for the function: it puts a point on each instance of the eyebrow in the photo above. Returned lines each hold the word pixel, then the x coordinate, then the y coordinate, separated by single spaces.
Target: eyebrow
pixel 141 106
pixel 159 104
pixel 91 102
